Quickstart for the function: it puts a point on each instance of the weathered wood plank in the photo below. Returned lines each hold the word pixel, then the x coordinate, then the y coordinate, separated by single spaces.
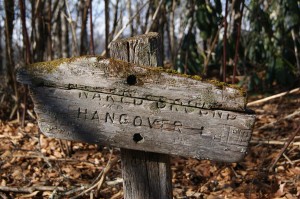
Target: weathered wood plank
pixel 121 78
pixel 142 124
pixel 118 103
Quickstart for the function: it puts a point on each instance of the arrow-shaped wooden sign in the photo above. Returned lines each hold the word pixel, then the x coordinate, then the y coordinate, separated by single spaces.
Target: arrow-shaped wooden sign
pixel 115 103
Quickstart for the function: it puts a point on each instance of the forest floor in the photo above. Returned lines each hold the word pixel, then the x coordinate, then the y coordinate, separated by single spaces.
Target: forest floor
pixel 34 166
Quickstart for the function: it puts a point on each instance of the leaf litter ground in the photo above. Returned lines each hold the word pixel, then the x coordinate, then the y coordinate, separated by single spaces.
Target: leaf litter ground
pixel 34 166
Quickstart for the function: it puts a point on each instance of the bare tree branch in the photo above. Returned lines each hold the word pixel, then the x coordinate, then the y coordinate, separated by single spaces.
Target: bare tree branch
pixel 125 26
pixel 70 20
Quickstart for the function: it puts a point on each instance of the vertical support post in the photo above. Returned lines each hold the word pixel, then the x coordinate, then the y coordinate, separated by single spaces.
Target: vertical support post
pixel 146 175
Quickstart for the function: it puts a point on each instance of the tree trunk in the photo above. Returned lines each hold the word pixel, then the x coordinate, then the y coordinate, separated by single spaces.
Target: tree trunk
pixel 223 68
pixel 83 33
pixel 115 24
pixel 1 52
pixel 64 31
pixel 49 28
pixel 172 33
pixel 146 175
pixel 147 19
pixel 158 23
pixel 39 31
pixel 236 16
pixel 92 49
pixel 128 5
pixel 106 10
pixel 26 42
pixel 56 30
pixel 9 26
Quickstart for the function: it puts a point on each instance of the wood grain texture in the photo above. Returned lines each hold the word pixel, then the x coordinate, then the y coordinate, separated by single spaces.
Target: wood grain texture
pixel 111 76
pixel 145 175
pixel 141 50
pixel 94 100
pixel 115 120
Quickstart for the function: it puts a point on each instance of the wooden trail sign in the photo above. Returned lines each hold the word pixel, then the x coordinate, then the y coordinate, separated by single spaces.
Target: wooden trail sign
pixel 139 109
pixel 115 103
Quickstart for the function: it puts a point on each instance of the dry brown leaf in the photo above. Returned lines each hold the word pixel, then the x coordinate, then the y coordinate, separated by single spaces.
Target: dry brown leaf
pixel 17 173
pixel 6 165
pixel 30 195
pixel 57 154
pixel 6 154
pixel 3 182
pixel 295 170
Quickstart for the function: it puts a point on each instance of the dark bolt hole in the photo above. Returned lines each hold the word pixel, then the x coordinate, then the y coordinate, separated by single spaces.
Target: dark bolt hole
pixel 138 138
pixel 131 80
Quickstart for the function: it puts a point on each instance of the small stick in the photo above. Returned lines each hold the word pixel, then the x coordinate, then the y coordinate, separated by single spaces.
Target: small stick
pixel 92 48
pixel 31 114
pixel 272 142
pixel 105 172
pixel 273 97
pixel 271 167
pixel 72 191
pixel 100 178
pixel 290 116
pixel 30 189
pixel 288 159
pixel 108 167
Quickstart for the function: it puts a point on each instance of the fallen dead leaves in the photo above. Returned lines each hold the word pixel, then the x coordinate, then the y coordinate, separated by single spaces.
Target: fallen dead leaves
pixel 34 166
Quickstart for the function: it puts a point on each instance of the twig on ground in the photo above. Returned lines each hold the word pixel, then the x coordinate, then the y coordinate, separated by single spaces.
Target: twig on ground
pixel 272 142
pixel 105 172
pixel 72 191
pixel 48 159
pixel 3 196
pixel 30 189
pixel 288 159
pixel 13 111
pixel 290 116
pixel 24 108
pixel 117 195
pixel 114 182
pixel 271 167
pixel 34 189
pixel 30 113
pixel 2 98
pixel 102 176
pixel 273 97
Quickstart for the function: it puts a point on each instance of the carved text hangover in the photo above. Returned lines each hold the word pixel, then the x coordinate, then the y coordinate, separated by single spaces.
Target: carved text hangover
pixel 126 119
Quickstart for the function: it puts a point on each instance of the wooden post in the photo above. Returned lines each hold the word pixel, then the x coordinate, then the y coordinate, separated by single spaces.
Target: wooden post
pixel 146 175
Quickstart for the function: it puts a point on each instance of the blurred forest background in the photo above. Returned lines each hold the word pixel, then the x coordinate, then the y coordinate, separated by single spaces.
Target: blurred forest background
pixel 253 43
